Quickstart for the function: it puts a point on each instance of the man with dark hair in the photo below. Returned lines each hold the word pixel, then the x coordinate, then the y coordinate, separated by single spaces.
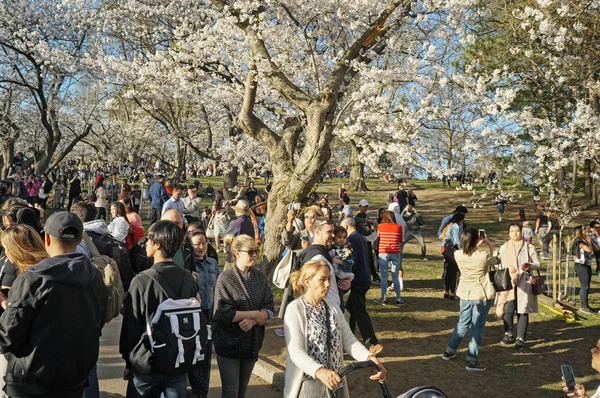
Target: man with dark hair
pixel 158 196
pixel 175 201
pixel 51 327
pixel 145 294
pixel 357 300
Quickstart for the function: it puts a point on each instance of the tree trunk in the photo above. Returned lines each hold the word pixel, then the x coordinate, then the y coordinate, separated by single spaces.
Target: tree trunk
pixel 597 182
pixel 229 181
pixel 560 176
pixel 587 175
pixel 7 155
pixel 357 169
pixel 180 159
pixel 569 199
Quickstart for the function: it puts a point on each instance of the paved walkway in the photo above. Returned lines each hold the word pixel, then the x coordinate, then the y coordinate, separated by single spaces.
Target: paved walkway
pixel 110 370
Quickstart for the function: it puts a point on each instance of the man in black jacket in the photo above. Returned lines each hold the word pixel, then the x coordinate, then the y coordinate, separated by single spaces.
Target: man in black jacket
pixel 54 318
pixel 164 240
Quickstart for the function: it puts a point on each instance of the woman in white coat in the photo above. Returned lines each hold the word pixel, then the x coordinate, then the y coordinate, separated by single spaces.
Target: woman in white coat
pixel 521 259
pixel 309 321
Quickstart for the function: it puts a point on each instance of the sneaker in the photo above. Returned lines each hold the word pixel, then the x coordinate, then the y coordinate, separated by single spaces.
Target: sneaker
pixel 423 258
pixel 508 339
pixel 377 280
pixel 380 301
pixel 280 332
pixel 448 356
pixel 519 343
pixel 400 303
pixel 447 296
pixel 376 348
pixel 586 310
pixel 454 298
pixel 474 366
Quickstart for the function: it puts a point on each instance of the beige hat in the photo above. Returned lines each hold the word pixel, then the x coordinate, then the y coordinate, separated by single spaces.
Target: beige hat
pixel 242 207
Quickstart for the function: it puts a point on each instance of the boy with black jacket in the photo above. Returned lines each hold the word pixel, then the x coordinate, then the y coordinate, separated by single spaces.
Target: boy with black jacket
pixel 54 317
pixel 164 240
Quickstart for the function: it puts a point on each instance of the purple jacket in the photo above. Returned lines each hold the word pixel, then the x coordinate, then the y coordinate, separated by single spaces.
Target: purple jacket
pixel 241 226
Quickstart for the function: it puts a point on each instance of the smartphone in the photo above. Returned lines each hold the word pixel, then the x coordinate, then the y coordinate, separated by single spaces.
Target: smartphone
pixel 482 234
pixel 567 372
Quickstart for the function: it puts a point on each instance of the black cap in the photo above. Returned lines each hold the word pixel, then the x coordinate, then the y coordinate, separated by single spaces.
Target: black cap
pixel 461 209
pixel 64 225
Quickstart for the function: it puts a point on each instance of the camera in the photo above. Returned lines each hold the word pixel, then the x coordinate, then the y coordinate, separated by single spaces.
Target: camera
pixel 293 206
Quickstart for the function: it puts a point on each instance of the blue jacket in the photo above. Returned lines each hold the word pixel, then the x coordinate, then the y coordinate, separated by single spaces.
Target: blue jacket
pixel 208 271
pixel 158 195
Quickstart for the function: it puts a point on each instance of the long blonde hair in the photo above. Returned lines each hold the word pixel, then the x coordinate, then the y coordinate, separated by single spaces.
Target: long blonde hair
pixel 24 245
pixel 308 271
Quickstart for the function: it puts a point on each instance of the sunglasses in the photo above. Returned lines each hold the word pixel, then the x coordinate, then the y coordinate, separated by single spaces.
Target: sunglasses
pixel 310 216
pixel 251 252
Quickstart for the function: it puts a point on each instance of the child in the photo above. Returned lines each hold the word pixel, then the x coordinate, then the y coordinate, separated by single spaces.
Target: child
pixel 204 218
pixel 341 254
pixel 526 232
pixel 137 197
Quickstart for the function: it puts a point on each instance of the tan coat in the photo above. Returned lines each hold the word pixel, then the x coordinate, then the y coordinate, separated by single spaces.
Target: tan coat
pixel 527 302
pixel 474 276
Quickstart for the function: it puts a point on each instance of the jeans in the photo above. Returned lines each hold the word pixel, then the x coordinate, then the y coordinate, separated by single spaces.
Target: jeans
pixel 152 385
pixel 155 215
pixel 584 272
pixel 418 235
pixel 92 389
pixel 396 261
pixel 342 303
pixel 235 376
pixel 473 313
pixel 357 307
pixel 508 320
pixel 546 243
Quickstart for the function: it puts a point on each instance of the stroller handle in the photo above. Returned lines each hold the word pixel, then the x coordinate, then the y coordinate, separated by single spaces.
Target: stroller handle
pixel 361 365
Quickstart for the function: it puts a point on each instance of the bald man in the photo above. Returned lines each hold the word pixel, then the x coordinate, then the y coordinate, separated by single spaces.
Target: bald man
pixel 184 256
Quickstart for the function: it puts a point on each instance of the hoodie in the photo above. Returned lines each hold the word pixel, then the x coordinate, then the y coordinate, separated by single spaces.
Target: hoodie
pixel 395 208
pixel 51 326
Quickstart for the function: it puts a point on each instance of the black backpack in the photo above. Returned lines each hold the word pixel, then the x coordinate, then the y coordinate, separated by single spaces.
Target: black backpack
pixel 109 246
pixel 178 331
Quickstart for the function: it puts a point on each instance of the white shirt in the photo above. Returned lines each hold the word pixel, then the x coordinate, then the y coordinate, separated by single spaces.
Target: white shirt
pixel 332 294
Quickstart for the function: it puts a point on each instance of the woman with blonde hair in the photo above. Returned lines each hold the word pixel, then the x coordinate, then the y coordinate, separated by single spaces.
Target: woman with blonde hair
pixel 312 367
pixel 23 246
pixel 243 304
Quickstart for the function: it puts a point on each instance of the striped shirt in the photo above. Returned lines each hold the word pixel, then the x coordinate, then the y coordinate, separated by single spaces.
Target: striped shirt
pixel 390 236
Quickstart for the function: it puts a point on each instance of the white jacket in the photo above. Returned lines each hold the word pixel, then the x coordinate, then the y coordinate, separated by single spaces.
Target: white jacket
pixel 298 362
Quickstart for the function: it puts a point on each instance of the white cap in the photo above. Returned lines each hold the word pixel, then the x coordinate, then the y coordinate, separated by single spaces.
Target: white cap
pixel 363 202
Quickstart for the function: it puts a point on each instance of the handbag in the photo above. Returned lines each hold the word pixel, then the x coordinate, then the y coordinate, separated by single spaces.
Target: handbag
pixel 501 279
pixel 283 269
pixel 537 283
pixel 210 230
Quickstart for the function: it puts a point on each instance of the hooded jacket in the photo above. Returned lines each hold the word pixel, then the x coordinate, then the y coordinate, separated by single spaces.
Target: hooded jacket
pixel 51 326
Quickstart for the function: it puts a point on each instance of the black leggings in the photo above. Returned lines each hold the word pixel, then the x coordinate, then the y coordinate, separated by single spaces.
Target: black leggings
pixel 584 272
pixel 508 318
pixel 450 276
pixel 101 213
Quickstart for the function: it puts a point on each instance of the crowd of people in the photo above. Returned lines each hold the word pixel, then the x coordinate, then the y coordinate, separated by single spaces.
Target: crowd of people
pixel 336 252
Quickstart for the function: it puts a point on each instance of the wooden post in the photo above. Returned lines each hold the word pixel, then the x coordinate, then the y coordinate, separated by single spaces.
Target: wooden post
pixel 554 270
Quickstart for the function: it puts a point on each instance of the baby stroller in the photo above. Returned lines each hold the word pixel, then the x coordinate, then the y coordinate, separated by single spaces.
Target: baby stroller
pixel 417 392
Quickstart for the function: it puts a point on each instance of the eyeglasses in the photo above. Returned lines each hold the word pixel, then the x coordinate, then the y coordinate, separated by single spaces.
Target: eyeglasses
pixel 251 252
pixel 310 216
